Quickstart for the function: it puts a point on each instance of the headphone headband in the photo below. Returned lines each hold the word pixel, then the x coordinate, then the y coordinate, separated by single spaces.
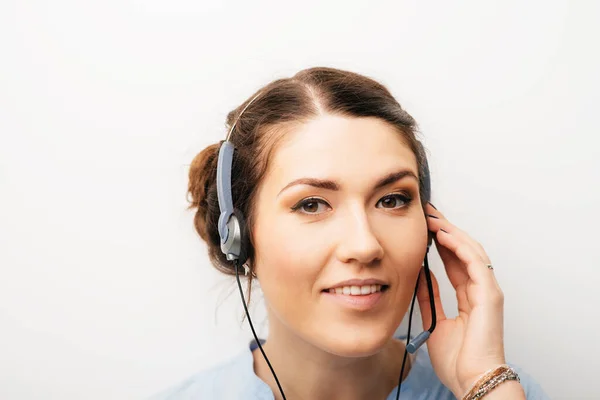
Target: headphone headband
pixel 240 116
pixel 231 225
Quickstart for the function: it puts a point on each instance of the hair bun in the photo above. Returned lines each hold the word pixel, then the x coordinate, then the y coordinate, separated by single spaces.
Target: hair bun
pixel 202 176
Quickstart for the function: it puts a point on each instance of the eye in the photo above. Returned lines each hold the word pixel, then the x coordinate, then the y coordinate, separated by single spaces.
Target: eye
pixel 395 200
pixel 310 206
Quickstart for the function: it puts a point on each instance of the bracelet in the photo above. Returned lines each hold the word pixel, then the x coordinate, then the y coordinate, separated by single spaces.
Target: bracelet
pixel 489 380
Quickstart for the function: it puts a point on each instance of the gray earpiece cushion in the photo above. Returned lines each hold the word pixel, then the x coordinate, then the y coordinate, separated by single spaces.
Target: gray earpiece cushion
pixel 244 239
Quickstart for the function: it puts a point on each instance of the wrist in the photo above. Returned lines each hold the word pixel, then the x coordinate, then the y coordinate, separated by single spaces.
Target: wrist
pixel 477 369
pixel 502 375
pixel 477 373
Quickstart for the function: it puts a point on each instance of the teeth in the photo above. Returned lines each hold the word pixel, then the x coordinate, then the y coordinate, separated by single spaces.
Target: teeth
pixel 356 290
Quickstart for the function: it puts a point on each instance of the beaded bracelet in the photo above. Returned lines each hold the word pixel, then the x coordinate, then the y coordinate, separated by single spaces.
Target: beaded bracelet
pixel 490 380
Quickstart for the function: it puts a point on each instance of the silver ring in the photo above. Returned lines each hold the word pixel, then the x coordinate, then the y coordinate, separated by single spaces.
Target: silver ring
pixel 489 266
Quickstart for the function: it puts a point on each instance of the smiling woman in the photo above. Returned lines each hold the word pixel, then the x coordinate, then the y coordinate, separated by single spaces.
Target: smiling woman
pixel 333 185
pixel 355 224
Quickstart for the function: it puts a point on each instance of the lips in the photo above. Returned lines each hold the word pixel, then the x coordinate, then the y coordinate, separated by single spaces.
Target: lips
pixel 355 290
pixel 359 297
pixel 358 287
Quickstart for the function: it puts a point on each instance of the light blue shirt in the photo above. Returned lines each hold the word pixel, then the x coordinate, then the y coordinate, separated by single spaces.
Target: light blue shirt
pixel 236 379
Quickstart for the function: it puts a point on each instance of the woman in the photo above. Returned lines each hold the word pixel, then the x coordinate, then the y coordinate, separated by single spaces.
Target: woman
pixel 331 180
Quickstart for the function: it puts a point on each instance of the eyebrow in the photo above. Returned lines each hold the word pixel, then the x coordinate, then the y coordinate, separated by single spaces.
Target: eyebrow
pixel 332 185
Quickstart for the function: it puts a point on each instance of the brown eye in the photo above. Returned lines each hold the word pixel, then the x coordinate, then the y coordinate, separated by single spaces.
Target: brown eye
pixel 388 202
pixel 394 201
pixel 309 206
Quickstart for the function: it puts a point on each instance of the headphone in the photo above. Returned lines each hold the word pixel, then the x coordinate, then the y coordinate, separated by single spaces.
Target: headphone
pixel 235 244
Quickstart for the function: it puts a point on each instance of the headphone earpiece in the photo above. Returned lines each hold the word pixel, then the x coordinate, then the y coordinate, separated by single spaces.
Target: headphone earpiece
pixel 231 245
pixel 242 236
pixel 427 193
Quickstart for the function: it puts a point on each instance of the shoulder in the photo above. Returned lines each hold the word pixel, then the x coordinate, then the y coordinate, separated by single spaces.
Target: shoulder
pixel 205 384
pixel 422 381
pixel 233 379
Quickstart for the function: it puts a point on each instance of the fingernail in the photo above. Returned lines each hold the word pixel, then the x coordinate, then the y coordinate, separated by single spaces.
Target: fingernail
pixel 432 205
pixel 432 216
pixel 443 231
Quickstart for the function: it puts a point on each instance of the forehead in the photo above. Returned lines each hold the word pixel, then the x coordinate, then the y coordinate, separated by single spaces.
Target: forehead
pixel 350 150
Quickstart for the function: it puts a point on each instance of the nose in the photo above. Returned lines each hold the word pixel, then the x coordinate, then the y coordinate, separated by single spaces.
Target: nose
pixel 358 242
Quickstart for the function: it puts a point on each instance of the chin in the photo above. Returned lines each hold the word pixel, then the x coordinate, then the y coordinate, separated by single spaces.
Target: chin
pixel 353 341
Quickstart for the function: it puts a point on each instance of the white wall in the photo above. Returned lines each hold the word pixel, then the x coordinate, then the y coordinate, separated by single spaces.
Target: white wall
pixel 105 289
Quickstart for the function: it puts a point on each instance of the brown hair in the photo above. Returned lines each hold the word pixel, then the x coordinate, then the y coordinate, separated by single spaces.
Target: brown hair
pixel 281 105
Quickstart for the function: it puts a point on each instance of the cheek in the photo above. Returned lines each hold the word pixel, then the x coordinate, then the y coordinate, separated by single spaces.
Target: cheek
pixel 407 237
pixel 288 263
pixel 406 248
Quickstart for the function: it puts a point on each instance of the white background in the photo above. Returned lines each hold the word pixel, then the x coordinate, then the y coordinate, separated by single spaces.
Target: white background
pixel 105 288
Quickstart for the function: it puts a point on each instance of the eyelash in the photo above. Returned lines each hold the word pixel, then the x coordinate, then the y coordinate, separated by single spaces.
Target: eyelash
pixel 404 197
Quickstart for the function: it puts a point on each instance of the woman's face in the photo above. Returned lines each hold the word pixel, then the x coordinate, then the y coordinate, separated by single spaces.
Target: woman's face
pixel 340 202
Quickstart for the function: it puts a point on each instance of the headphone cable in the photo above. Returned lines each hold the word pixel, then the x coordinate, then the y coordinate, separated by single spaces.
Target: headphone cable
pixel 237 276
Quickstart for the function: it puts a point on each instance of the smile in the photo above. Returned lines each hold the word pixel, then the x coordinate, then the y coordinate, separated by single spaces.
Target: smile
pixel 358 290
pixel 357 298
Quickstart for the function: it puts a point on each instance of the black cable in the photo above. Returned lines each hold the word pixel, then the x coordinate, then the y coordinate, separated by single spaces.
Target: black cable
pixel 237 276
pixel 431 298
pixel 412 307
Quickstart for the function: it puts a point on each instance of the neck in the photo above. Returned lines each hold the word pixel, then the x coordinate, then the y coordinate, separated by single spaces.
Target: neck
pixel 307 372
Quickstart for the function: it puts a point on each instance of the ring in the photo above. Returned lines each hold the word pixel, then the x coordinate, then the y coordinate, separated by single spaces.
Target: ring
pixel 489 266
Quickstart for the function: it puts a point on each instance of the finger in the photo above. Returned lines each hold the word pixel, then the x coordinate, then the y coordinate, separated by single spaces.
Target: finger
pixel 437 220
pixel 462 235
pixel 475 266
pixel 423 297
pixel 455 269
pixel 436 215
